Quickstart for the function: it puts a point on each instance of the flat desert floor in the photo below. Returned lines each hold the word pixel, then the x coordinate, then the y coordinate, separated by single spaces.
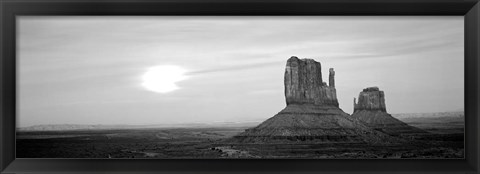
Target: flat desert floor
pixel 446 140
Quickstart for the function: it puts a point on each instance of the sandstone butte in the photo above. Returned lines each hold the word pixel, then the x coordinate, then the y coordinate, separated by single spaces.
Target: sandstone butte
pixel 312 112
pixel 371 109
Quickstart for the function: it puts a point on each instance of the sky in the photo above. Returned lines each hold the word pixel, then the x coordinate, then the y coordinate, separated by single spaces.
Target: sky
pixel 91 70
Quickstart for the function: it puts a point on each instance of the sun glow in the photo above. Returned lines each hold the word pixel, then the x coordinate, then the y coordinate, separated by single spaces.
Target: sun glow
pixel 162 78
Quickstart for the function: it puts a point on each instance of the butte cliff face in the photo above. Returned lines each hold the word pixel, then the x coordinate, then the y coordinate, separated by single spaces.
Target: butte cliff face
pixel 371 109
pixel 312 112
pixel 371 99
pixel 304 84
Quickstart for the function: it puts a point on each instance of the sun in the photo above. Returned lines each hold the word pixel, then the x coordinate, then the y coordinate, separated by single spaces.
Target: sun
pixel 162 78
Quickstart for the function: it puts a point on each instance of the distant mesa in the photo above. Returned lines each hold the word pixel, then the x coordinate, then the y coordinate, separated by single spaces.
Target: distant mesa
pixel 312 112
pixel 372 110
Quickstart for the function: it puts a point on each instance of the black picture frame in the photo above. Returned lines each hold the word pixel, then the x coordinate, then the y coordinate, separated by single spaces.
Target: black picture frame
pixel 470 9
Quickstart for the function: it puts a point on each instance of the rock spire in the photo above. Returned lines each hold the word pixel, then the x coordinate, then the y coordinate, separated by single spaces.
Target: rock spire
pixel 331 78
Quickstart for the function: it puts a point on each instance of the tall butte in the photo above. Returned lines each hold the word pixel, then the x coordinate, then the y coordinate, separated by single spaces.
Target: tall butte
pixel 372 110
pixel 312 112
pixel 304 84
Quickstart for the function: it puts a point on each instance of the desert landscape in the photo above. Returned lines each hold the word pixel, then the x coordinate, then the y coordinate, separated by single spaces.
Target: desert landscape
pixel 310 126
pixel 445 140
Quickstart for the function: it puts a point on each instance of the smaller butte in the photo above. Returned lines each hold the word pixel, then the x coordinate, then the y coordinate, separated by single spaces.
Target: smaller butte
pixel 372 110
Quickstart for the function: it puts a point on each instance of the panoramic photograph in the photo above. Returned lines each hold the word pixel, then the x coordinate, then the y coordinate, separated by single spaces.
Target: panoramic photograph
pixel 228 87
